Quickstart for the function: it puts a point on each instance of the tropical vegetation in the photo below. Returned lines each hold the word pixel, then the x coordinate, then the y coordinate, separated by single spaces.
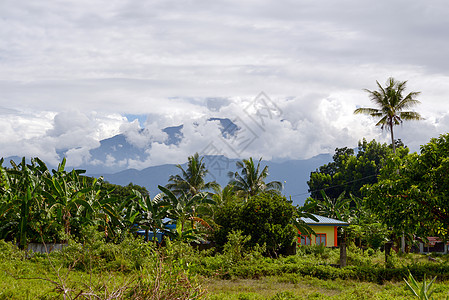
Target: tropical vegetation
pixel 202 233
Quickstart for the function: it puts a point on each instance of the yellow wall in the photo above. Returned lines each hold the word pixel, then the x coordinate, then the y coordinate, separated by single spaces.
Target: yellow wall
pixel 330 234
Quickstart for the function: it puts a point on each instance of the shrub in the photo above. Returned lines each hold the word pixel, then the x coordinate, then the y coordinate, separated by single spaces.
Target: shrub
pixel 92 252
pixel 266 217
pixel 10 251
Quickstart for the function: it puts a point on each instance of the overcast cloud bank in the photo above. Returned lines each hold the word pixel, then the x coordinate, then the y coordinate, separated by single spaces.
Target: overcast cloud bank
pixel 71 71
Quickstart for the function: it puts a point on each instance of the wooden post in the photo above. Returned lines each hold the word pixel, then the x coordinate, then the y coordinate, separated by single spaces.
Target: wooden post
pixel 388 246
pixel 342 254
pixel 403 242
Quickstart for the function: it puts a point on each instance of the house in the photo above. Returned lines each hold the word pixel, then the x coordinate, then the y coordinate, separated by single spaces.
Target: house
pixel 326 230
pixel 433 245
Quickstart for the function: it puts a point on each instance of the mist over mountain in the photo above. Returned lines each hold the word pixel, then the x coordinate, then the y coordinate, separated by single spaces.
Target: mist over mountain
pixel 112 161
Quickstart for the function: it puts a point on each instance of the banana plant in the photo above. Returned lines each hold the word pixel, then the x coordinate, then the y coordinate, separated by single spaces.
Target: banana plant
pixel 22 188
pixel 64 195
pixel 151 213
pixel 186 208
pixel 97 207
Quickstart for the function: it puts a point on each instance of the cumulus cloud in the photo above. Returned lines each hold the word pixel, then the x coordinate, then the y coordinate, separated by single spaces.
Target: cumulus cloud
pixel 46 134
pixel 182 64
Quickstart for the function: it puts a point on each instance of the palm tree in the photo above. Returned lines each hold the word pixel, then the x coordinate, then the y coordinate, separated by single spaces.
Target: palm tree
pixel 341 208
pixel 251 180
pixel 191 181
pixel 391 103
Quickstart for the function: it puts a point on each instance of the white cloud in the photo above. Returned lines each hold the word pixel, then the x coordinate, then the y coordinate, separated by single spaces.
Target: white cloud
pixel 70 71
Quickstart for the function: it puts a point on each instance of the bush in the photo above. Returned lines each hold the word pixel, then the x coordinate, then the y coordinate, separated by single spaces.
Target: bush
pixel 10 251
pixel 92 253
pixel 266 217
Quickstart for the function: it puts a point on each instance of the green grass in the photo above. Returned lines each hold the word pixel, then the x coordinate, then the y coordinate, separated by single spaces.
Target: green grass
pixel 290 287
pixel 177 271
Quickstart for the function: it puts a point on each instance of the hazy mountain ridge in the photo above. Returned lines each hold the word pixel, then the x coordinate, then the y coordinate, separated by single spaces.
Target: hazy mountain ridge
pixel 292 173
pixel 111 160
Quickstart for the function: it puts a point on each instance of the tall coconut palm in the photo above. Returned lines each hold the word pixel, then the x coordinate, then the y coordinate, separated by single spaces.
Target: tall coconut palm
pixel 249 180
pixel 390 105
pixel 191 180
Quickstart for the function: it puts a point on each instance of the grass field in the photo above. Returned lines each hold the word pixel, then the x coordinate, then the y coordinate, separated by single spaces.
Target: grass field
pixel 111 271
pixel 296 287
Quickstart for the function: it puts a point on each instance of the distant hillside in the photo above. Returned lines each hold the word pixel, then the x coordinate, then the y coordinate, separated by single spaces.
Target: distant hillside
pixel 293 174
pixel 111 158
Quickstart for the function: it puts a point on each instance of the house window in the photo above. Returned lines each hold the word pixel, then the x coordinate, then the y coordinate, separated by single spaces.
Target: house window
pixel 305 240
pixel 320 239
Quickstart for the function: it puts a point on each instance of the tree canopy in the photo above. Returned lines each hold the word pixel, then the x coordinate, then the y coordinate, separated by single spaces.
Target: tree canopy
pixel 249 179
pixel 267 217
pixel 348 171
pixel 412 194
pixel 192 179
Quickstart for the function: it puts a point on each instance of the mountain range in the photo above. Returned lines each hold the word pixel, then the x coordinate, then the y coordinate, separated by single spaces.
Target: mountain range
pixel 292 173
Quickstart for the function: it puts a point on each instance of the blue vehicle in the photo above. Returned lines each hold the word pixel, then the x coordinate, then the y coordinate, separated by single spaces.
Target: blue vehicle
pixel 159 234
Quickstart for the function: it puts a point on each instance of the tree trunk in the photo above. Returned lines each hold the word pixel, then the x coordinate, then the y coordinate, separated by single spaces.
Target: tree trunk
pixel 392 137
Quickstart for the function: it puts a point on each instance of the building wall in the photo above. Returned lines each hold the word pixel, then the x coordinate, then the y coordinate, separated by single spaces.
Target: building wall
pixel 329 231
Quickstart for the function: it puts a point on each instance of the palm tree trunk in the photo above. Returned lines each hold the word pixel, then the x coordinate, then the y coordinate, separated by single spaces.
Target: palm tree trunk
pixel 392 137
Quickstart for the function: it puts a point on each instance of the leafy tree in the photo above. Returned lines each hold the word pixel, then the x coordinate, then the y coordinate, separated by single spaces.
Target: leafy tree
pixel 412 194
pixel 99 207
pixel 249 180
pixel 222 196
pixel 348 172
pixel 22 206
pixel 191 180
pixel 390 104
pixel 268 218
pixel 124 192
pixel 63 194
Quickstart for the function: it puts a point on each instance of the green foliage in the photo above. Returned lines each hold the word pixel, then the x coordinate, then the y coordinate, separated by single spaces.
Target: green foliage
pixel 125 192
pixel 37 205
pixel 367 231
pixel 234 249
pixel 267 218
pixel 422 291
pixel 348 172
pixel 8 251
pixel 191 180
pixel 286 295
pixel 320 251
pixel 412 192
pixel 107 271
pixel 137 270
pixel 249 180
pixel 49 207
pixel 93 253
pixel 188 211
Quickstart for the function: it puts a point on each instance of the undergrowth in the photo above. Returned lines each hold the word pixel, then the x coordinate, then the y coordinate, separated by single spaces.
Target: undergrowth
pixel 133 269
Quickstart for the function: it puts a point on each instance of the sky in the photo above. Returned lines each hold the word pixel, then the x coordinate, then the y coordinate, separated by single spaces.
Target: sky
pixel 288 73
